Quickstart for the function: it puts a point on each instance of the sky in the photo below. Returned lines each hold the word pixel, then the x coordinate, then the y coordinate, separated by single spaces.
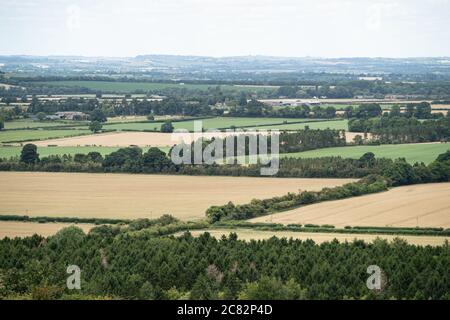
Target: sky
pixel 292 28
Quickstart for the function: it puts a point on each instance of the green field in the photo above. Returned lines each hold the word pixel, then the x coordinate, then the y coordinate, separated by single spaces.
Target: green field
pixel 331 124
pixel 31 124
pixel 116 86
pixel 8 152
pixel 211 123
pixel 415 152
pixel 24 135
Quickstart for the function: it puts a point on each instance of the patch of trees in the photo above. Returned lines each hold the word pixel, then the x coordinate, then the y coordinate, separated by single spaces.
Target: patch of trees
pixel 289 142
pixel 403 130
pixel 167 127
pixel 256 108
pixel 376 89
pixel 143 266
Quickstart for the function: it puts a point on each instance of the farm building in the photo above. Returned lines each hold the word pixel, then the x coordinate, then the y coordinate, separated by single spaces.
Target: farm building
pixel 71 115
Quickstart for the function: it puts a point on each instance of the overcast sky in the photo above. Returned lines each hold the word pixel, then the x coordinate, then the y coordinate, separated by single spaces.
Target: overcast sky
pixel 321 28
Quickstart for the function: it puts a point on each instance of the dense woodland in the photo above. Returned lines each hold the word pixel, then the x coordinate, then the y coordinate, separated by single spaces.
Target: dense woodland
pixel 403 130
pixel 140 265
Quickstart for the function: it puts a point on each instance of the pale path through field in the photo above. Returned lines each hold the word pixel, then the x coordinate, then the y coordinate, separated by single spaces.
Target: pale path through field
pixel 138 195
pixel 13 229
pixel 249 234
pixel 424 205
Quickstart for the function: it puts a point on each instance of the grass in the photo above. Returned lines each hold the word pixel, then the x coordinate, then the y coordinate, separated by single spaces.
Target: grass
pixel 331 124
pixel 9 152
pixel 117 86
pixel 28 135
pixel 31 124
pixel 210 123
pixel 415 152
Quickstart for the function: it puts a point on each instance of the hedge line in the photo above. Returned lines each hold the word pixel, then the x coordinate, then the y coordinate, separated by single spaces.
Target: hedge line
pixel 62 219
pixel 331 229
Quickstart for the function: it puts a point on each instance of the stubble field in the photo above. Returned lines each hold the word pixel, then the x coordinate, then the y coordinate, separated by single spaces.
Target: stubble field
pixel 423 205
pixel 136 196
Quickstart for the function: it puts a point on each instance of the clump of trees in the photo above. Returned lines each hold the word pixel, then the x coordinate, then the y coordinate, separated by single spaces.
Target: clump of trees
pixel 95 126
pixel 403 130
pixel 167 127
pixel 29 154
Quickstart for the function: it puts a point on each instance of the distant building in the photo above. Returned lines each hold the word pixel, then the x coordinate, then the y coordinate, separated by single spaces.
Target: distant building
pixel 71 115
pixel 370 78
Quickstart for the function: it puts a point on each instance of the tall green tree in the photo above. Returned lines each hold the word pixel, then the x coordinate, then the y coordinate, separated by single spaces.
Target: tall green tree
pixel 167 127
pixel 29 154
pixel 95 126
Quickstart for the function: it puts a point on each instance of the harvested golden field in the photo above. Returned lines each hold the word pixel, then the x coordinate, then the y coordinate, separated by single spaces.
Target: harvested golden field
pixel 425 205
pixel 349 136
pixel 250 234
pixel 125 139
pixel 13 229
pixel 136 196
pixel 114 139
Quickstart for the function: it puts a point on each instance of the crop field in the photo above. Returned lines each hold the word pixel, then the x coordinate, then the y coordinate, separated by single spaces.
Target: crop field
pixel 414 152
pixel 325 124
pixel 26 135
pixel 136 196
pixel 114 139
pixel 210 123
pixel 318 237
pixel 125 139
pixel 117 86
pixel 30 124
pixel 8 152
pixel 424 205
pixel 13 229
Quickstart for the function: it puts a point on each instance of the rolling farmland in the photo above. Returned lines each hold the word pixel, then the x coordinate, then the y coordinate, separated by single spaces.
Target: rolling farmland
pixel 136 196
pixel 414 152
pixel 117 86
pixel 423 205
pixel 13 229
pixel 209 123
pixel 28 135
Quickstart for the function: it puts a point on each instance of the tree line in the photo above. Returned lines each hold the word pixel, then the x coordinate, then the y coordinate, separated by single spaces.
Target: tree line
pixel 134 160
pixel 386 130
